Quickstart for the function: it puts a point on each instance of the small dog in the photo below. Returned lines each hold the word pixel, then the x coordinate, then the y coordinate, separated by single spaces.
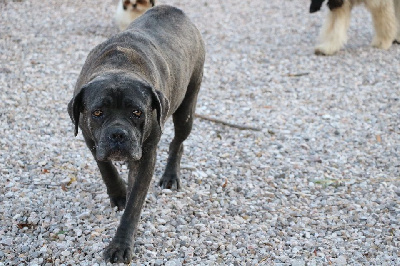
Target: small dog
pixel 385 15
pixel 129 10
pixel 128 87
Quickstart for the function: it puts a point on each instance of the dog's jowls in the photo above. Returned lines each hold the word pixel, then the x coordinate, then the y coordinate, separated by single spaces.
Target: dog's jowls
pixel 333 35
pixel 129 10
pixel 128 86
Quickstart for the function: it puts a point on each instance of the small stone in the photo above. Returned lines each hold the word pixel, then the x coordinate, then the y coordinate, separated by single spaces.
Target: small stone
pixel 65 253
pixel 341 260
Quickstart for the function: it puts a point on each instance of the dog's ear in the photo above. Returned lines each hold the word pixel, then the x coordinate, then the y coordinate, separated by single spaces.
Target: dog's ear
pixel 75 107
pixel 161 104
pixel 315 5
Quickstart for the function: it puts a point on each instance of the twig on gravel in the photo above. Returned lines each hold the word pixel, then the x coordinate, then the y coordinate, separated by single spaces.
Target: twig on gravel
pixel 39 184
pixel 298 74
pixel 263 260
pixel 241 127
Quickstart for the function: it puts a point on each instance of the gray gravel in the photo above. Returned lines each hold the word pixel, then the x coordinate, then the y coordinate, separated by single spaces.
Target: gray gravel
pixel 318 185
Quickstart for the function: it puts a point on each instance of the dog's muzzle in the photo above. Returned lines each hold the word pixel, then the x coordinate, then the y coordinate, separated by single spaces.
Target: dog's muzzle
pixel 117 145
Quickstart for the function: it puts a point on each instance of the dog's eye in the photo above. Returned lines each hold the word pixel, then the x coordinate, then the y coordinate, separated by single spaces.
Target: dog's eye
pixel 137 113
pixel 97 113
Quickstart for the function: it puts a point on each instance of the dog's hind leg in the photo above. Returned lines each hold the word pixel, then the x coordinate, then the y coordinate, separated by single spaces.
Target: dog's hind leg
pixel 333 34
pixel 397 12
pixel 384 20
pixel 183 121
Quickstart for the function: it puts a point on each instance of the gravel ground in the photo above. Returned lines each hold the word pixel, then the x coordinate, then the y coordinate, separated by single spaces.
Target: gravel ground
pixel 318 185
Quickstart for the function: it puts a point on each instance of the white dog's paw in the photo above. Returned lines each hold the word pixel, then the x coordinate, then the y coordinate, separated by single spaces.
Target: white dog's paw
pixel 324 49
pixel 381 43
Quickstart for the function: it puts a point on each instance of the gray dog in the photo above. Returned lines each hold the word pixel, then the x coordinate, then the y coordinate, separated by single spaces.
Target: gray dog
pixel 128 87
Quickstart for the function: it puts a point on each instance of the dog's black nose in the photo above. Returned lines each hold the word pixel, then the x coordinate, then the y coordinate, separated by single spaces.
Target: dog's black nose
pixel 119 136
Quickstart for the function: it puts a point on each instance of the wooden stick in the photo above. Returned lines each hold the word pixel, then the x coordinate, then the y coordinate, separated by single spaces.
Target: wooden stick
pixel 241 127
pixel 298 74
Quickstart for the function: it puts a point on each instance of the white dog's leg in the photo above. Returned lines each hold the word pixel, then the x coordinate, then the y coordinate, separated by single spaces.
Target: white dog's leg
pixel 333 34
pixel 397 12
pixel 384 22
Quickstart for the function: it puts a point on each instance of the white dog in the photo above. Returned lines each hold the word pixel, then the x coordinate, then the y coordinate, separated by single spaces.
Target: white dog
pixel 129 10
pixel 385 16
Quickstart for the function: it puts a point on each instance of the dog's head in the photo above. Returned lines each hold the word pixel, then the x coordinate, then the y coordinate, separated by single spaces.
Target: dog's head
pixel 137 5
pixel 129 10
pixel 118 113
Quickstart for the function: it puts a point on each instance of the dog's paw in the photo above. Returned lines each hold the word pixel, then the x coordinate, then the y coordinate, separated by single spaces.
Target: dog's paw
pixel 170 182
pixel 381 43
pixel 118 253
pixel 118 201
pixel 324 50
pixel 319 51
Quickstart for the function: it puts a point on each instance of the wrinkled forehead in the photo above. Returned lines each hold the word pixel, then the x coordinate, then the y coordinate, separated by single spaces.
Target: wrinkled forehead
pixel 116 92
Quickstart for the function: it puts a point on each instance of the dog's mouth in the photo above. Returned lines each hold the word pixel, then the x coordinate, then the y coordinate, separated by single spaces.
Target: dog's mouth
pixel 118 155
pixel 107 152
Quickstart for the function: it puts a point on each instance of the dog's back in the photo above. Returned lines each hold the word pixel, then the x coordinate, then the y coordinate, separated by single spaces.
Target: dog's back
pixel 169 29
pixel 154 46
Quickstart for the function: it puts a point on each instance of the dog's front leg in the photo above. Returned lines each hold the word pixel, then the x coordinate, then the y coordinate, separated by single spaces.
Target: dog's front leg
pixel 333 34
pixel 384 19
pixel 140 174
